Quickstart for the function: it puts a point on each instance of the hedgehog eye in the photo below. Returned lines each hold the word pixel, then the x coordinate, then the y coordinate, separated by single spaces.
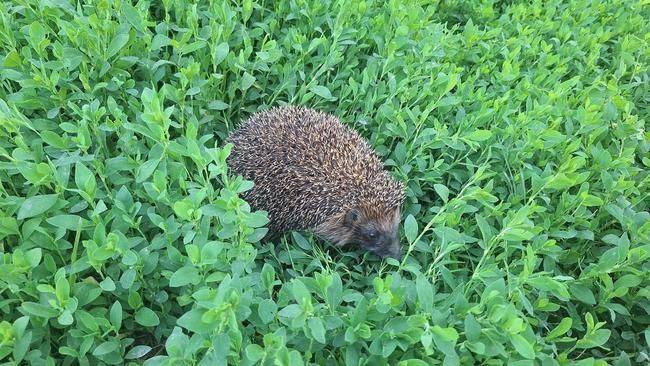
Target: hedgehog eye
pixel 372 234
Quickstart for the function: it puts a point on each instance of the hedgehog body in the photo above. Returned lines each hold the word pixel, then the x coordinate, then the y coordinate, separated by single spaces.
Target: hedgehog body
pixel 311 172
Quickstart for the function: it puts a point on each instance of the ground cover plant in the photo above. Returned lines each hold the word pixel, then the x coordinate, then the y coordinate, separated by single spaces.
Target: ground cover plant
pixel 520 129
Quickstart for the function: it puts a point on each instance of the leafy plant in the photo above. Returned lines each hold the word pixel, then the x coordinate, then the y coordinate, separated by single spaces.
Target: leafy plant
pixel 520 129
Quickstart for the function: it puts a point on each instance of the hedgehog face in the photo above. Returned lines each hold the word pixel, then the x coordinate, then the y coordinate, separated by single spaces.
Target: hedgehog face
pixel 375 232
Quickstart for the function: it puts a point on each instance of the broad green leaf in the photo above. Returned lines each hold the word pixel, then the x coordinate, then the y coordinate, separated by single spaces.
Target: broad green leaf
pixel 68 222
pixel 107 284
pixel 317 329
pixel 267 310
pixel 442 191
pixel 582 293
pixel 247 81
pixel 410 228
pixel 517 234
pixel 36 205
pixel 146 170
pixel 106 347
pixel 192 321
pixel 217 105
pixel 550 285
pixel 596 339
pixel 322 91
pixel 38 310
pixel 117 43
pixel 522 346
pixel 254 352
pixel 137 352
pixel 21 346
pixel 184 276
pixel 479 135
pixel 425 293
pixel 560 329
pixel 221 52
pixel 84 178
pixel 210 252
pixel 115 315
pixel 146 317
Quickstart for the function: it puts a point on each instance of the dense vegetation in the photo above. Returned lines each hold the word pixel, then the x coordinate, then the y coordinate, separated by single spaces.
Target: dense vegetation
pixel 520 129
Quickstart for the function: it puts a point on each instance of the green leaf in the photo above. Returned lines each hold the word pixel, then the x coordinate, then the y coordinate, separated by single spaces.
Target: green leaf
pixel 34 257
pixel 560 329
pixel 217 105
pixel 290 311
pixel 595 339
pixel 65 318
pixel 247 81
pixel 300 291
pixel 317 329
pixel 550 285
pixel 105 348
pixel 522 346
pixel 146 317
pixel 221 51
pixel 137 352
pixel 445 339
pixel 254 352
pixel 486 230
pixel 38 310
pixel 591 200
pixel 146 170
pixel 322 91
pixel 628 281
pixel 36 205
pixel 20 325
pixel 267 310
pixel 412 362
pixel 479 135
pixel 184 276
pixel 517 234
pixel 159 41
pixel 192 321
pixel 117 43
pixel 425 293
pixel 301 241
pixel 36 33
pixel 268 276
pixel 582 293
pixel 447 334
pixel 127 278
pixel 107 284
pixel 84 179
pixel 210 252
pixel 442 191
pixel 561 181
pixel 68 222
pixel 184 209
pixel 410 228
pixel 8 226
pixel 21 346
pixel 472 328
pixel 115 315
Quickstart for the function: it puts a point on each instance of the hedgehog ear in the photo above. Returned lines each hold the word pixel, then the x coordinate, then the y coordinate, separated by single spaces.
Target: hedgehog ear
pixel 351 217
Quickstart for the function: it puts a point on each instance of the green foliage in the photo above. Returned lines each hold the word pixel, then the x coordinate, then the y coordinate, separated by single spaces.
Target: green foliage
pixel 519 127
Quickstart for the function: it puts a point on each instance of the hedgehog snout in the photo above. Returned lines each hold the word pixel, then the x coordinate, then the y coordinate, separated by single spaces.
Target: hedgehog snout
pixel 388 247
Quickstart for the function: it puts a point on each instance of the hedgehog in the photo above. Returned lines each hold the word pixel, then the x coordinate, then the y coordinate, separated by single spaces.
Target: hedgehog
pixel 310 172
